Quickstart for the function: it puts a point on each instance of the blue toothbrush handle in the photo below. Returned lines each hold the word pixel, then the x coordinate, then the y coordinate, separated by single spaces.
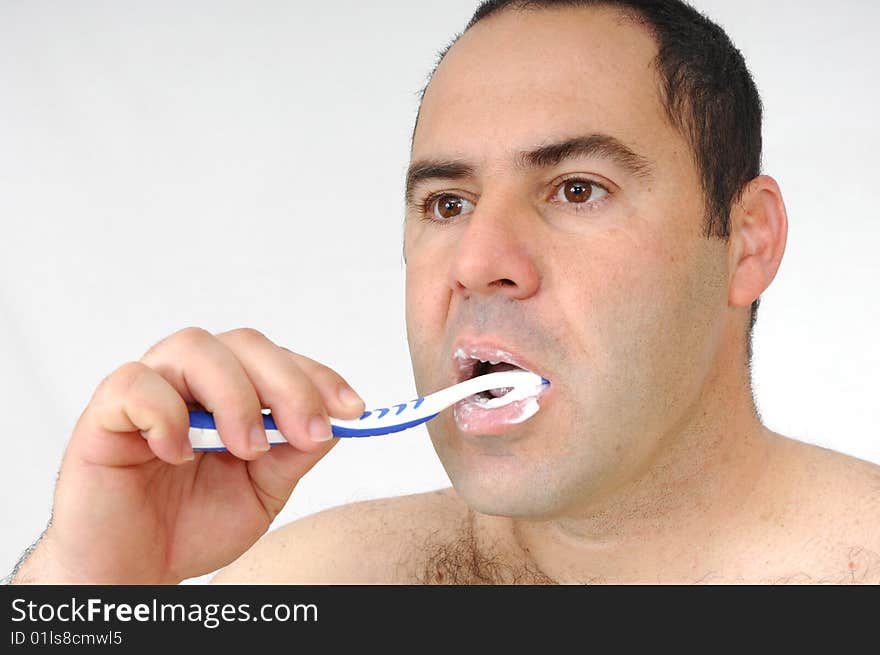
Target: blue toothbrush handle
pixel 205 421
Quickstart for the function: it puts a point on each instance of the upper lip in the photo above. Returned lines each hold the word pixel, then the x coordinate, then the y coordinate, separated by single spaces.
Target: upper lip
pixel 466 352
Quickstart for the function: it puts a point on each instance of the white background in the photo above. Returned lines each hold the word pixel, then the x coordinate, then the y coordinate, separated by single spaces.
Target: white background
pixel 226 164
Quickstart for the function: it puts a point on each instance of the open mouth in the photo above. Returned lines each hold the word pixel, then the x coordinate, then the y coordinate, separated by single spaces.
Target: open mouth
pixel 496 411
pixel 475 361
pixel 481 367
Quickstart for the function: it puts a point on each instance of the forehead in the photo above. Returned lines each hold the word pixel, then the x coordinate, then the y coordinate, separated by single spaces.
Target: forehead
pixel 523 77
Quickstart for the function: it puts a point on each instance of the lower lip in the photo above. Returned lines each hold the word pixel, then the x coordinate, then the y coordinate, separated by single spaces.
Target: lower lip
pixel 473 418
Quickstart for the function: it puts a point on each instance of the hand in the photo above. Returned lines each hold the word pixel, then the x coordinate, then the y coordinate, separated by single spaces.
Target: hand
pixel 136 510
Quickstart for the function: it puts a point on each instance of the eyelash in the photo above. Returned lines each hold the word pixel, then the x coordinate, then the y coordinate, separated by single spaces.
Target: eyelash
pixel 425 206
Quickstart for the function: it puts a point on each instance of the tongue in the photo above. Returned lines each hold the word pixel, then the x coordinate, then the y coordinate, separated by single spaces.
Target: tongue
pixel 498 368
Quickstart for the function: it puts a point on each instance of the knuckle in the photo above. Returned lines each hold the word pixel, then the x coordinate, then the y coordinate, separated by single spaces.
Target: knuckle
pixel 247 335
pixel 191 336
pixel 127 376
pixel 244 339
pixel 118 386
pixel 183 339
pixel 250 333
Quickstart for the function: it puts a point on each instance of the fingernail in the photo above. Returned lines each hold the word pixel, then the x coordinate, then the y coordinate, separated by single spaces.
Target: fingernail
pixel 349 397
pixel 319 429
pixel 259 441
pixel 188 454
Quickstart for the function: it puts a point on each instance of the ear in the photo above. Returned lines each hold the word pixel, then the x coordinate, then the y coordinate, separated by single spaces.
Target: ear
pixel 758 232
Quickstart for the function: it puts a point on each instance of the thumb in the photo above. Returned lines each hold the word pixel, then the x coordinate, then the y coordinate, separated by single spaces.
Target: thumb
pixel 275 474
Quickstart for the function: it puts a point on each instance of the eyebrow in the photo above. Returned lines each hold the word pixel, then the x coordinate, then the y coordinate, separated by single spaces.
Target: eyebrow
pixel 545 156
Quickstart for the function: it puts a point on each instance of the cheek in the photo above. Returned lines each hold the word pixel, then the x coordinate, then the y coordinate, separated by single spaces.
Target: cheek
pixel 639 296
pixel 426 311
pixel 424 294
pixel 664 304
pixel 617 282
pixel 416 307
pixel 424 269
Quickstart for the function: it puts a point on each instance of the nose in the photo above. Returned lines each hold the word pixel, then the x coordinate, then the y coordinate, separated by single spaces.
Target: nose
pixel 494 253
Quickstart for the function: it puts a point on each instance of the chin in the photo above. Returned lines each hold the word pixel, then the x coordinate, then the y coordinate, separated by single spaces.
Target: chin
pixel 511 476
pixel 514 494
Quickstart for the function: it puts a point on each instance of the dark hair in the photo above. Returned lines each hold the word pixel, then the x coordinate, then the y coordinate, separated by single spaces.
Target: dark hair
pixel 706 88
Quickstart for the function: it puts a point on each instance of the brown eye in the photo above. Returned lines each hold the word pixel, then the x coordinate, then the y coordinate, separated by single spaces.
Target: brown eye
pixel 580 194
pixel 446 207
pixel 578 191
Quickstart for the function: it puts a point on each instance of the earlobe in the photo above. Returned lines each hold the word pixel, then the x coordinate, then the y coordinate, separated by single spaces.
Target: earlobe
pixel 758 233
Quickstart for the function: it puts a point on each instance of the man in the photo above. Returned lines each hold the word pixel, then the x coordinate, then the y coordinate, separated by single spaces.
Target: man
pixel 584 201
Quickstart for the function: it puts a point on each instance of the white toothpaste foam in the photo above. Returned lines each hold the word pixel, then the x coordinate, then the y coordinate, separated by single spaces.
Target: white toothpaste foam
pixel 463 412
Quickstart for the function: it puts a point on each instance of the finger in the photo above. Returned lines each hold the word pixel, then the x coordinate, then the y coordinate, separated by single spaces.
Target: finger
pixel 132 400
pixel 277 473
pixel 297 405
pixel 341 400
pixel 202 369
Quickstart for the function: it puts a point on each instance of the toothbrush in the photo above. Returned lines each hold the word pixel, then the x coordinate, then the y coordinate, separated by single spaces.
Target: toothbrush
pixel 385 420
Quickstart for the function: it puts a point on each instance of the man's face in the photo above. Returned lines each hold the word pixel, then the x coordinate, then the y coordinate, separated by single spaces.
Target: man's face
pixel 593 270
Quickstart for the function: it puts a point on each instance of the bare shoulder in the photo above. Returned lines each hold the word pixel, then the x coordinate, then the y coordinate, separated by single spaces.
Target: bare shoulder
pixel 841 485
pixel 833 504
pixel 371 542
